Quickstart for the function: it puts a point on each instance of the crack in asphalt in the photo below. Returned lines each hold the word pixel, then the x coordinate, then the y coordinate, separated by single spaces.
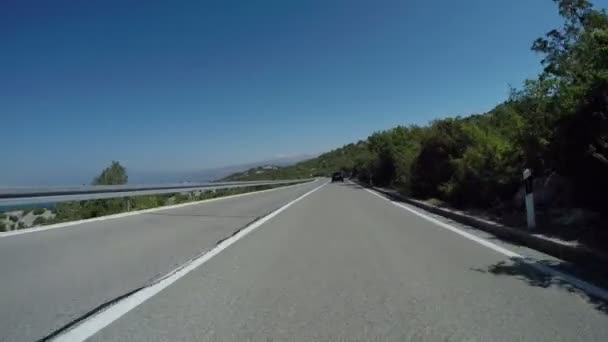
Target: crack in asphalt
pixel 151 282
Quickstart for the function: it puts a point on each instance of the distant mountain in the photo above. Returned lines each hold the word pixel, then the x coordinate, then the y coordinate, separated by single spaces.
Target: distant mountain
pixel 208 175
pixel 288 160
pixel 342 158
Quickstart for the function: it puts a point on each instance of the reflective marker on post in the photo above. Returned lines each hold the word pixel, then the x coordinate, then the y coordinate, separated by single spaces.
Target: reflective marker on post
pixel 529 199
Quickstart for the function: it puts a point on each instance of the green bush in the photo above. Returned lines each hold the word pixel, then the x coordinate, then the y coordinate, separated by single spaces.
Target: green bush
pixel 38 221
pixel 21 225
pixel 484 175
pixel 3 227
pixel 68 211
pixel 39 211
pixel 180 198
pixel 102 207
pixel 79 210
pixel 204 195
pixel 2 217
pixel 146 202
pixel 13 218
pixel 445 141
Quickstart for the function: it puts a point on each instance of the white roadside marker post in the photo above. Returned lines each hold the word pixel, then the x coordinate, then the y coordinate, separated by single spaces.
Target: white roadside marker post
pixel 529 199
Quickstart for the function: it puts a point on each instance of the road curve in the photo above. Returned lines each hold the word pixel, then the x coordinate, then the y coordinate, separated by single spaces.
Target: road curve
pixel 343 264
pixel 52 277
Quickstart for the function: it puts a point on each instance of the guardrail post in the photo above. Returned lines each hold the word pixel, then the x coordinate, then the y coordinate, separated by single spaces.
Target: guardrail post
pixel 528 183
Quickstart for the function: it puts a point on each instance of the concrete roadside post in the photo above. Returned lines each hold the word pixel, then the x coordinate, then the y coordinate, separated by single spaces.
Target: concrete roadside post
pixel 531 217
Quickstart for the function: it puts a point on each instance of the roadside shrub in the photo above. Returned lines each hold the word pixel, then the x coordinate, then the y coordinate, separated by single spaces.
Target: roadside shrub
pixel 21 225
pixel 146 202
pixel 180 198
pixel 38 221
pixel 68 211
pixel 3 227
pixel 13 218
pixel 204 195
pixel 485 174
pixel 101 207
pixel 38 211
pixel 445 141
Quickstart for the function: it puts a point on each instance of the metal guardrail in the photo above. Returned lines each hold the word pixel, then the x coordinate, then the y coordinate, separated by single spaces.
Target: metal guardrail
pixel 34 196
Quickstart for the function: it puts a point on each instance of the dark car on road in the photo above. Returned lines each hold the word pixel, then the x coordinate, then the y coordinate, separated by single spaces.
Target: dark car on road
pixel 337 177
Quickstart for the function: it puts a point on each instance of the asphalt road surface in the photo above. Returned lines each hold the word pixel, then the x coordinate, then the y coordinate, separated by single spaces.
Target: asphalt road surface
pixel 340 264
pixel 52 277
pixel 343 264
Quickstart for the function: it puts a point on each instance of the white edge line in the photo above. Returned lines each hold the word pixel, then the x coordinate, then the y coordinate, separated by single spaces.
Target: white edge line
pixel 581 284
pixel 95 323
pixel 137 212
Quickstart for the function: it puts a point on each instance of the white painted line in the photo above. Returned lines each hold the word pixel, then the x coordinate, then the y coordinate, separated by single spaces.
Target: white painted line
pixel 95 323
pixel 467 235
pixel 581 284
pixel 136 212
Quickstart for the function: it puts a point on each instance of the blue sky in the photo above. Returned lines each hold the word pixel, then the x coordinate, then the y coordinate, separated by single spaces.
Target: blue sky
pixel 186 85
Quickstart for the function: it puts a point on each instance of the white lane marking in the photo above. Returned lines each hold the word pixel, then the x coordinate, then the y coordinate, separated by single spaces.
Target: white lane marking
pixel 581 284
pixel 136 212
pixel 467 235
pixel 95 323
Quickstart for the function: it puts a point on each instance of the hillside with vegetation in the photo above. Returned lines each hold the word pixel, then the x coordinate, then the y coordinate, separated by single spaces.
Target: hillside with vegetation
pixel 343 158
pixel 556 125
pixel 115 174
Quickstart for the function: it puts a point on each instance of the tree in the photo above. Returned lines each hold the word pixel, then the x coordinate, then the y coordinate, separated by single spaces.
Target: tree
pixel 557 123
pixel 576 66
pixel 574 55
pixel 445 141
pixel 559 44
pixel 115 174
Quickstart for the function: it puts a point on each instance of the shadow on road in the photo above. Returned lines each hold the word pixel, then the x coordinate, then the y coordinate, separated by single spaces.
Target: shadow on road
pixel 530 271
pixel 525 271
